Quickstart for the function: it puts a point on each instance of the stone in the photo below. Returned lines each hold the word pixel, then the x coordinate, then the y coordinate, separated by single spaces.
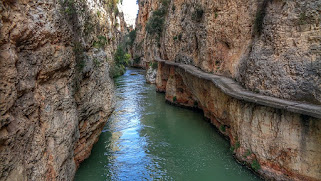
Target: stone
pixel 275 54
pixel 55 89
pixel 283 137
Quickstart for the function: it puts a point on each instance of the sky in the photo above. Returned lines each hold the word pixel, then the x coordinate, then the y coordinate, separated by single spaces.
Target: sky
pixel 130 9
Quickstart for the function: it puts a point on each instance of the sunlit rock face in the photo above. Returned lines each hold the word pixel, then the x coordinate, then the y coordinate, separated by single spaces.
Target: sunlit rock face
pixel 276 143
pixel 270 46
pixel 145 48
pixel 55 89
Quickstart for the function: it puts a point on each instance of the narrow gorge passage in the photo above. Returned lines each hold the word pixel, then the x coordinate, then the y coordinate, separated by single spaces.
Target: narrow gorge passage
pixel 147 139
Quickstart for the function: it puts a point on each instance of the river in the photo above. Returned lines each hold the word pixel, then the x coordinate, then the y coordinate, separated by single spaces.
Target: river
pixel 147 139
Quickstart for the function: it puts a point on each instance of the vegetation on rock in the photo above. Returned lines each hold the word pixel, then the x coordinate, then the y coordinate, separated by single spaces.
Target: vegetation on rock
pixel 222 128
pixel 132 37
pixel 154 65
pixel 174 99
pixel 155 23
pixel 255 165
pixel 121 60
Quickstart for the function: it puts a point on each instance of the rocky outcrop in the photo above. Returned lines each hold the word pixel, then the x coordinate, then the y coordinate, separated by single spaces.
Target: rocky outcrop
pixel 271 46
pixel 252 66
pixel 246 64
pixel 145 48
pixel 279 139
pixel 151 75
pixel 55 89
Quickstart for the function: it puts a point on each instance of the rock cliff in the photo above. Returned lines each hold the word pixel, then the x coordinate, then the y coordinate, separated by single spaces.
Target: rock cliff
pixel 271 46
pixel 277 138
pixel 55 89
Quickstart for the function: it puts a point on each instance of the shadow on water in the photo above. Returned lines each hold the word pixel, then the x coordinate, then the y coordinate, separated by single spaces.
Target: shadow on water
pixel 147 139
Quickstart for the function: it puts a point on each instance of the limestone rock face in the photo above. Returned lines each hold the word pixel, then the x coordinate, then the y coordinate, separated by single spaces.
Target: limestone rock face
pixel 55 89
pixel 269 46
pixel 276 143
pixel 145 48
pixel 151 75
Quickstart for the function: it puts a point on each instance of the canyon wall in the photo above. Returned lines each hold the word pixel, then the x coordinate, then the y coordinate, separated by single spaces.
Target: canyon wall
pixel 145 48
pixel 269 49
pixel 279 139
pixel 55 90
pixel 271 46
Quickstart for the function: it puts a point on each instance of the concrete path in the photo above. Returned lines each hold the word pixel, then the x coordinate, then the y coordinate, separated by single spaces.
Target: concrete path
pixel 235 90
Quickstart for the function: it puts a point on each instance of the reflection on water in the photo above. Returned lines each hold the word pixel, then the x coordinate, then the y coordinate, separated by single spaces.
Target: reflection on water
pixel 147 139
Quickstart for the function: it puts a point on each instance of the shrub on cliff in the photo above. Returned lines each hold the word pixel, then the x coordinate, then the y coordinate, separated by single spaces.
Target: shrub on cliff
pixel 100 42
pixel 137 60
pixel 121 60
pixel 154 65
pixel 132 37
pixel 121 57
pixel 255 165
pixel 155 23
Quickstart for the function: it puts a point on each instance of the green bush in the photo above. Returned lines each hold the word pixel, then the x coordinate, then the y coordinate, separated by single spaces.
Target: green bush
pixel 121 57
pixel 222 128
pixel 137 60
pixel 132 37
pixel 116 11
pixel 174 99
pixel 165 3
pixel 68 7
pixel 112 4
pixel 237 145
pixel 100 42
pixel 256 165
pixel 154 65
pixel 96 62
pixel 88 27
pixel 117 70
pixel 121 60
pixel 155 23
pixel 247 153
pixel 79 50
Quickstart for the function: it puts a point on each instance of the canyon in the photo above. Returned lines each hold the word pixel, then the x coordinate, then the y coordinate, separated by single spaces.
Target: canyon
pixel 271 47
pixel 252 66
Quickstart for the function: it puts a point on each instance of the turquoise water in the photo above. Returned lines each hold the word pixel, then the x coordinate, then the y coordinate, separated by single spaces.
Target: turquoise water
pixel 147 139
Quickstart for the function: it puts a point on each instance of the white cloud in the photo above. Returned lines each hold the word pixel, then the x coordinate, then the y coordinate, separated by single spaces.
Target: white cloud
pixel 130 9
